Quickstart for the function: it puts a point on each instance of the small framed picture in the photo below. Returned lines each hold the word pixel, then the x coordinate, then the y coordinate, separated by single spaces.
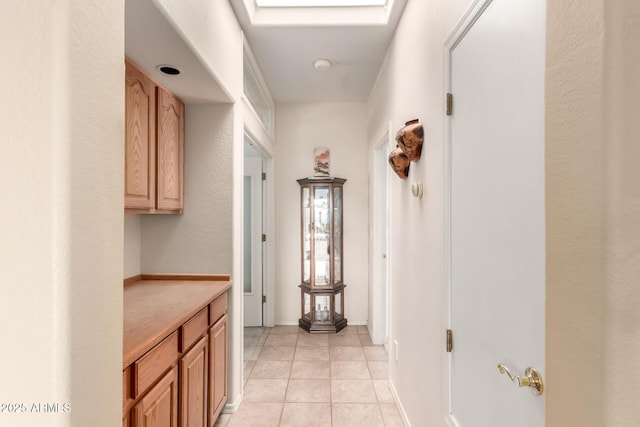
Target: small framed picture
pixel 321 161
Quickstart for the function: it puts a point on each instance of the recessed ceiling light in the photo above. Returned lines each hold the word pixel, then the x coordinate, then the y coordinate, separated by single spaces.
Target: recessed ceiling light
pixel 322 64
pixel 168 69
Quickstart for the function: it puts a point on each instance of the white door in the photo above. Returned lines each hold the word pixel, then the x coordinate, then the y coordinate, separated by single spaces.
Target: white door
pixel 252 259
pixel 496 212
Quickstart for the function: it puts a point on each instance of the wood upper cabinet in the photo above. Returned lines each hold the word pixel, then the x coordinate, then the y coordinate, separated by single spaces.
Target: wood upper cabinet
pixel 193 385
pixel 170 151
pixel 140 140
pixel 217 367
pixel 154 146
pixel 159 407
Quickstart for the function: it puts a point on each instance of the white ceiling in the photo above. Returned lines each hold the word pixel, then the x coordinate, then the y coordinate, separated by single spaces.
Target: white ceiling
pixel 150 40
pixel 287 41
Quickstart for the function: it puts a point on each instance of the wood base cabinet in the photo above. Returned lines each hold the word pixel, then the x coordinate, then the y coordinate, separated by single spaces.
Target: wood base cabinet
pixel 182 380
pixel 217 368
pixel 159 407
pixel 194 367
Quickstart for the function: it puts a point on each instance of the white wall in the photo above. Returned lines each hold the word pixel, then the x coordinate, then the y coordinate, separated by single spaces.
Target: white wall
pixel 575 180
pixel 61 180
pixel 410 85
pixel 200 240
pixel 593 206
pixel 622 136
pixel 132 245
pixel 299 129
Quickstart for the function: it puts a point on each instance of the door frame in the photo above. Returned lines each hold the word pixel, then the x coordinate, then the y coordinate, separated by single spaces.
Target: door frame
pixel 268 228
pixel 467 21
pixel 460 30
pixel 379 316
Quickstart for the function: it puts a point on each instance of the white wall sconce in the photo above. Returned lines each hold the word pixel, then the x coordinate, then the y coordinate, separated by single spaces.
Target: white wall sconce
pixel 416 189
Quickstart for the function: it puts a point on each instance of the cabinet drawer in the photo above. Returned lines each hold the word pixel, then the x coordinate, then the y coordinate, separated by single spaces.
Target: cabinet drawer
pixel 217 308
pixel 152 365
pixel 193 329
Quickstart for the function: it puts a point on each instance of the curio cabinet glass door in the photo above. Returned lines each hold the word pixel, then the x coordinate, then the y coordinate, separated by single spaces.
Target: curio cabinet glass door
pixel 322 286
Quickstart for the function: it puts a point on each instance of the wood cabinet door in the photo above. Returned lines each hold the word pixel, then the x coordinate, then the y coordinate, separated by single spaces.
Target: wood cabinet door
pixel 140 139
pixel 193 385
pixel 159 407
pixel 217 368
pixel 170 151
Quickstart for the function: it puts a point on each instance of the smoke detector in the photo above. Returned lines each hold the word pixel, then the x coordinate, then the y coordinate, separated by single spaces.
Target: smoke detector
pixel 322 64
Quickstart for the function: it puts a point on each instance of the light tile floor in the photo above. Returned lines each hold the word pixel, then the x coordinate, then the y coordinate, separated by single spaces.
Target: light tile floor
pixel 295 379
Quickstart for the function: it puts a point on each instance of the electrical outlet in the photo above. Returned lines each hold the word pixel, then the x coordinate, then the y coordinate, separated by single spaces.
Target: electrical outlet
pixel 395 349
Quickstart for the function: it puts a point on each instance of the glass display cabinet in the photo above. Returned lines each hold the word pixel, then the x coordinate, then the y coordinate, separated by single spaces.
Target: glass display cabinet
pixel 322 303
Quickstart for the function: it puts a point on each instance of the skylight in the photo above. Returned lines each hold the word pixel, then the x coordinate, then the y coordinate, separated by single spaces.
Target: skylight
pixel 319 3
pixel 319 13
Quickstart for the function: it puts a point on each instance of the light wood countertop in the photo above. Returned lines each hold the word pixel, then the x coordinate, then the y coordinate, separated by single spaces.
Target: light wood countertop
pixel 155 308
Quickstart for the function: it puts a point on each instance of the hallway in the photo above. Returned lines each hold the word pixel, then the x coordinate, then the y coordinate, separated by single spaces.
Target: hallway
pixel 292 378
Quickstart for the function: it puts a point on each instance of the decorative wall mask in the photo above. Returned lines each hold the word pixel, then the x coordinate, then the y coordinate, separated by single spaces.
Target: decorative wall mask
pixel 399 163
pixel 410 139
pixel 321 161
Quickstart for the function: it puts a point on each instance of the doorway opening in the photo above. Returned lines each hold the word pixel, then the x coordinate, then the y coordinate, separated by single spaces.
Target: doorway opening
pixel 379 309
pixel 253 232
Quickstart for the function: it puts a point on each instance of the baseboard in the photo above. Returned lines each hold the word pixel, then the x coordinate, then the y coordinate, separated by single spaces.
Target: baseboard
pixel 357 322
pixel 232 407
pixel 403 413
pixel 286 323
pixel 451 421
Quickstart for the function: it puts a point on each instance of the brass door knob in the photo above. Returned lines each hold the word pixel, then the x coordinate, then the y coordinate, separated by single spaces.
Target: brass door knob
pixel 531 378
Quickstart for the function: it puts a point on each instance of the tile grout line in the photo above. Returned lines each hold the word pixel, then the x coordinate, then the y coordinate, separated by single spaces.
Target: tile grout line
pixel 330 378
pixel 331 358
